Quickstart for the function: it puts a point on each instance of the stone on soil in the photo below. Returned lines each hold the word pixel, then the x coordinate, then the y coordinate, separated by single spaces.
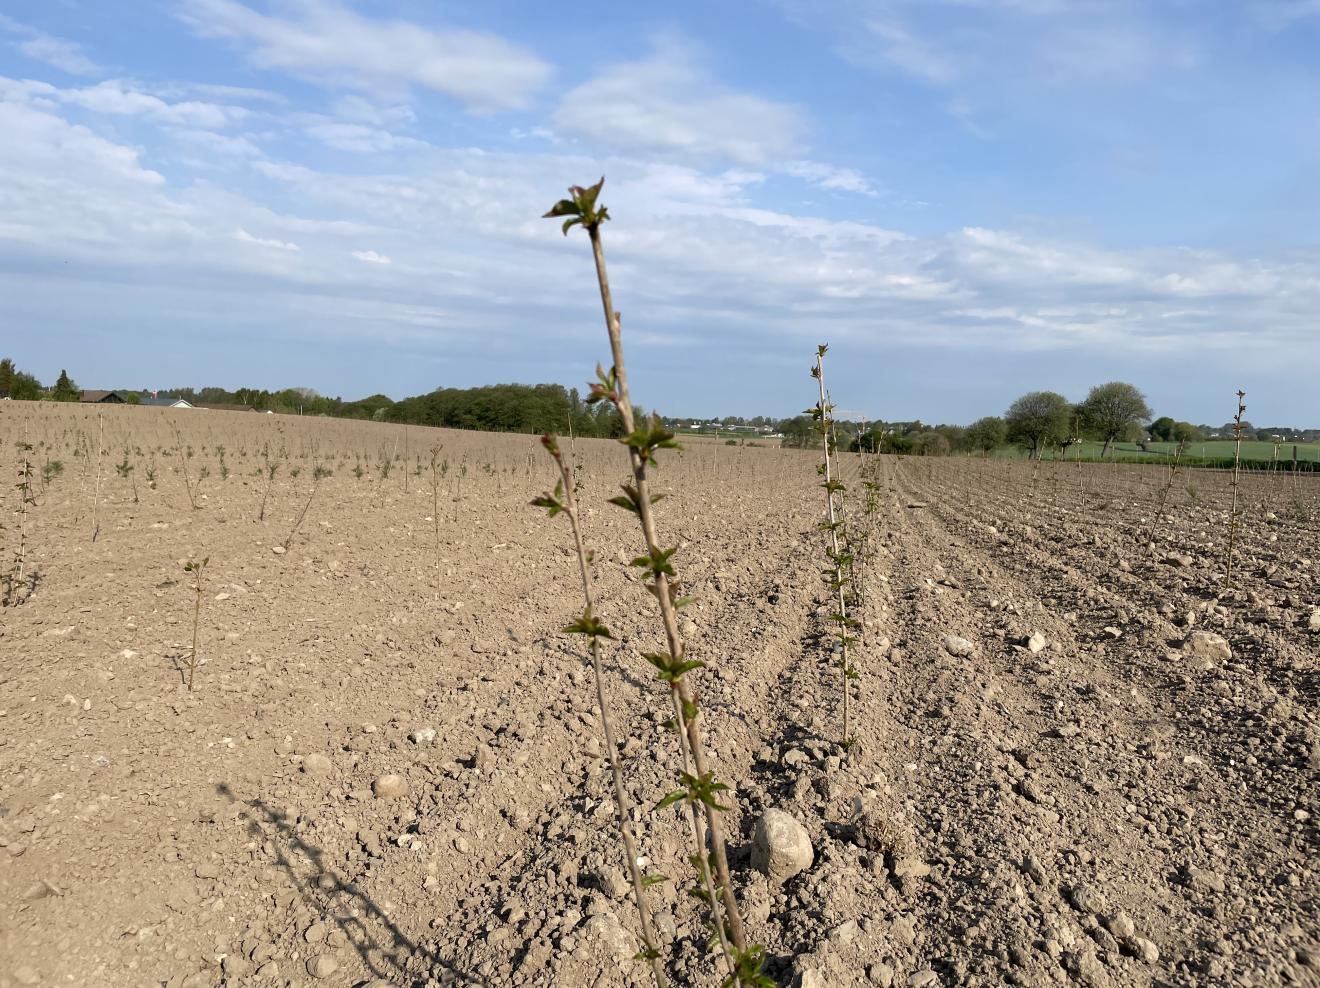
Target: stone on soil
pixel 958 646
pixel 781 847
pixel 315 764
pixel 322 966
pixel 389 786
pixel 1207 645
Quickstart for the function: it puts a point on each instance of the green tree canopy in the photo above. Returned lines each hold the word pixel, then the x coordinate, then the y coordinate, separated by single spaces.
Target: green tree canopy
pixel 24 387
pixel 1114 410
pixel 65 389
pixel 986 433
pixel 1185 432
pixel 1038 419
pixel 1162 429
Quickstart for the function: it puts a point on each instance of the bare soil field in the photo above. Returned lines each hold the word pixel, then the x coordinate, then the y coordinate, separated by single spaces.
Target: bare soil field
pixel 1081 756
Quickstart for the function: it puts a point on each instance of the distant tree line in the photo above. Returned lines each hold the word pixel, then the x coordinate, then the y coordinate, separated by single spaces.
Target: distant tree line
pixel 510 408
pixel 1037 421
pixel 22 386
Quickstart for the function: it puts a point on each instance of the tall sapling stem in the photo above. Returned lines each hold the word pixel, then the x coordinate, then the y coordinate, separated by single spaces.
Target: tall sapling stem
pixel 564 499
pixel 700 790
pixel 195 567
pixel 1233 507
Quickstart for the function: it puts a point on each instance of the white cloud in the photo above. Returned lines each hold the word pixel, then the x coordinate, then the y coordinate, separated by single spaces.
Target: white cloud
pixel 695 253
pixel 247 238
pixel 359 137
pixel 123 99
pixel 65 55
pixel 831 177
pixel 670 104
pixel 325 41
pixel 901 48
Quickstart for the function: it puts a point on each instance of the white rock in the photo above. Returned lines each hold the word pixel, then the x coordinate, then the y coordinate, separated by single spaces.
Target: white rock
pixel 606 930
pixel 316 764
pixel 1036 642
pixel 958 646
pixel 1314 623
pixel 781 847
pixel 389 786
pixel 322 966
pixel 1207 645
pixel 422 735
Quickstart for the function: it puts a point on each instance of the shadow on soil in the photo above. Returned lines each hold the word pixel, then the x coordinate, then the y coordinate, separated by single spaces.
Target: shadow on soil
pixel 323 890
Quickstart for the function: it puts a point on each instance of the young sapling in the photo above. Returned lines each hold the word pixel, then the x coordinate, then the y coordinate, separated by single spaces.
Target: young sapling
pixel 195 567
pixel 700 791
pixel 564 500
pixel 319 473
pixel 1233 506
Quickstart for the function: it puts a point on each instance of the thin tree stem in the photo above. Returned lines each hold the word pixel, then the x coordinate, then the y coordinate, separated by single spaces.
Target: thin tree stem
pixel 691 728
pixel 622 804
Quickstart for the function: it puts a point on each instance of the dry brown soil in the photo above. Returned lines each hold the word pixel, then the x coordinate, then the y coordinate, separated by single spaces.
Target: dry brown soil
pixel 1113 809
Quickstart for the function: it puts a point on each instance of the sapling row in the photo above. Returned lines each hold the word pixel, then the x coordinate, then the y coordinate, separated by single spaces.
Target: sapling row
pixel 840 558
pixel 700 792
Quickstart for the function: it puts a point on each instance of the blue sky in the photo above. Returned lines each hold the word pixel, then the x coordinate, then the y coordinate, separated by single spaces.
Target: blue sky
pixel 967 199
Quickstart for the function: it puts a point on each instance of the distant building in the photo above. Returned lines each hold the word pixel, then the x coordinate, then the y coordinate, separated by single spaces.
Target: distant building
pixel 216 406
pixel 157 402
pixel 101 398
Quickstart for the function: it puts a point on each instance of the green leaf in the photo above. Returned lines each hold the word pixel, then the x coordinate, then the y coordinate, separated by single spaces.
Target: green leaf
pixel 671 799
pixel 551 502
pixel 656 561
pixel 669 670
pixel 604 388
pixel 564 207
pixel 656 879
pixel 644 440
pixel 589 626
pixel 630 500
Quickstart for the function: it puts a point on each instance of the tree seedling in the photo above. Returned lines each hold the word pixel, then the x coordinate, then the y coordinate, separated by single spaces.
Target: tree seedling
pixel 15 573
pixel 564 500
pixel 319 473
pixel 1233 505
pixel 700 792
pixel 271 467
pixel 195 567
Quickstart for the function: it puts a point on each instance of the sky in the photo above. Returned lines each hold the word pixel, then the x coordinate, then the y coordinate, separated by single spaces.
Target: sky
pixel 967 199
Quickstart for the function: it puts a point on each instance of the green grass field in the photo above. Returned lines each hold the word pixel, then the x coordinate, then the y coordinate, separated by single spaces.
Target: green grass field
pixel 1211 449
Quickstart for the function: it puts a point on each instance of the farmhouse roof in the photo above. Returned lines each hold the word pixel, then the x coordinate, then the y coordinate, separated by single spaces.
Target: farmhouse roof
pixel 167 402
pixel 96 397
